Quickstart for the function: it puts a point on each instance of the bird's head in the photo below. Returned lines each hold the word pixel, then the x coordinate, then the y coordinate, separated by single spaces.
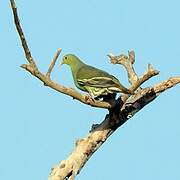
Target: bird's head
pixel 70 59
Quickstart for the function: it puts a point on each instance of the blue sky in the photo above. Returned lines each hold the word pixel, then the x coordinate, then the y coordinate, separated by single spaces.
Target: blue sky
pixel 38 126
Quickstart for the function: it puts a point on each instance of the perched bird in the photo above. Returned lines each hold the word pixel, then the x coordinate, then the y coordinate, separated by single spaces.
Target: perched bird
pixel 96 82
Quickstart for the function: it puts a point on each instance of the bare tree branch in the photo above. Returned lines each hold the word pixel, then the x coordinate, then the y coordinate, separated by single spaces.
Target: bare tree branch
pixel 87 146
pixel 124 108
pixel 53 62
pixel 127 62
pixel 135 81
pixel 21 34
pixel 32 68
pixel 171 82
pixel 146 76
pixel 62 89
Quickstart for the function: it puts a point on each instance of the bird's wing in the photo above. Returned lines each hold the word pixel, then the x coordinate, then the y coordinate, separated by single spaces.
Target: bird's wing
pixel 90 76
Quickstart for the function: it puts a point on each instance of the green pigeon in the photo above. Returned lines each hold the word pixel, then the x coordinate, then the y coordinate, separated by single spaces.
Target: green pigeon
pixel 96 82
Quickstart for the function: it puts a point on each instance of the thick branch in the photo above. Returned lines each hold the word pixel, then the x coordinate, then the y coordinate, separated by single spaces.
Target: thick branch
pixel 87 146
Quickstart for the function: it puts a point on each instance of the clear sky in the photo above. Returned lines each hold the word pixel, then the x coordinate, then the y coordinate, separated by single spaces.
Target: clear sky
pixel 38 126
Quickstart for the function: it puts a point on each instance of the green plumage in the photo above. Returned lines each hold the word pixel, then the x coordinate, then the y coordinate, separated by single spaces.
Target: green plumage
pixel 96 82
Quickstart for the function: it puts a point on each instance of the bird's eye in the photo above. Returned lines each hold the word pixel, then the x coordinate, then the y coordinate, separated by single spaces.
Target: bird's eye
pixel 65 57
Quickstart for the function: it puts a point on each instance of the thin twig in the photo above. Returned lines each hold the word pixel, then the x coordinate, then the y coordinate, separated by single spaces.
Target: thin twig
pixel 127 62
pixel 53 62
pixel 147 75
pixel 21 35
pixel 135 81
pixel 164 85
pixel 131 55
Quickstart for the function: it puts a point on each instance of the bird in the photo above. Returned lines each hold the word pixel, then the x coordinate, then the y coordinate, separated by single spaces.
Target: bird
pixel 96 82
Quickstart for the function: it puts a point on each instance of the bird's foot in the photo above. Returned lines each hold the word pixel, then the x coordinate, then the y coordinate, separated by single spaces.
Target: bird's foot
pixel 89 99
